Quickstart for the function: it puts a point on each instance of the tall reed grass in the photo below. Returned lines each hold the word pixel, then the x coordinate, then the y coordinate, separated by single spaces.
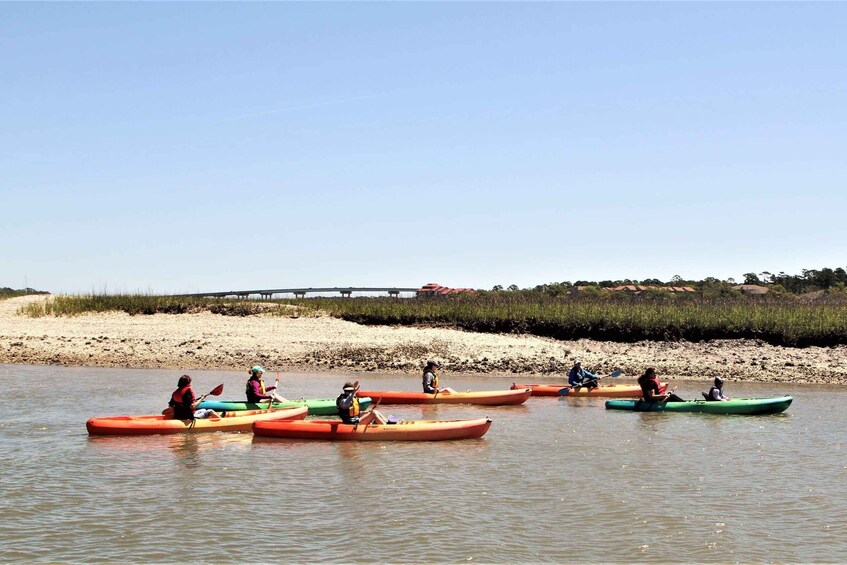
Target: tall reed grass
pixel 779 322
pixel 60 305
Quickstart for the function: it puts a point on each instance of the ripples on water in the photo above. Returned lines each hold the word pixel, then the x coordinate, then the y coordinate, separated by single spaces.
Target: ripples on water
pixel 552 481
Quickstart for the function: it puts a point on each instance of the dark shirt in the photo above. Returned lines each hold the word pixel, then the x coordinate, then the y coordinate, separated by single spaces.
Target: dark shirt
pixel 183 406
pixel 344 403
pixel 716 394
pixel 648 385
pixel 428 380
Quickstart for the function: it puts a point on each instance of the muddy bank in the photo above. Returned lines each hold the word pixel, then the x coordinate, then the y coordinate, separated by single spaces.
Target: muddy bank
pixel 321 343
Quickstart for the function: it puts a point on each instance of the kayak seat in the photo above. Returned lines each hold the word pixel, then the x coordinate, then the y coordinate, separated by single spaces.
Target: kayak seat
pixel 705 395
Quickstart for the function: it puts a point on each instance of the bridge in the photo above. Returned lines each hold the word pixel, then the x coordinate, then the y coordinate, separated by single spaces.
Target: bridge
pixel 267 294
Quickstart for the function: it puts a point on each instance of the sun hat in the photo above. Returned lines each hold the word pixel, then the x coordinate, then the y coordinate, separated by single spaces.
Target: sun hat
pixel 257 369
pixel 348 386
pixel 433 363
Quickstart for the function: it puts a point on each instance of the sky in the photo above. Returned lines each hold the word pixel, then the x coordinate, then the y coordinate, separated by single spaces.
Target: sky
pixel 193 147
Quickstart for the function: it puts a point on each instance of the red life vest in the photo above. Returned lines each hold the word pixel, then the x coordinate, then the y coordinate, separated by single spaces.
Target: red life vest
pixel 177 402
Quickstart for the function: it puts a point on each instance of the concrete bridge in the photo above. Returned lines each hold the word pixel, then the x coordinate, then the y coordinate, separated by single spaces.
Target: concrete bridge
pixel 267 294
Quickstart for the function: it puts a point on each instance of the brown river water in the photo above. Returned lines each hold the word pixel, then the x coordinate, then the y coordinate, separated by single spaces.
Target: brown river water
pixel 553 480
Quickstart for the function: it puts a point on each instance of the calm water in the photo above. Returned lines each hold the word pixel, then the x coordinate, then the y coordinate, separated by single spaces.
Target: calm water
pixel 552 481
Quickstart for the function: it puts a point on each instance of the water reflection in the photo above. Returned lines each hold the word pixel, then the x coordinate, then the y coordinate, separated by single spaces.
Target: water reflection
pixel 186 449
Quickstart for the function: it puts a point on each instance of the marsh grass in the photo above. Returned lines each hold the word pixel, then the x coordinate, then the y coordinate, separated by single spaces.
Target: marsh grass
pixel 779 322
pixel 133 304
pixel 782 321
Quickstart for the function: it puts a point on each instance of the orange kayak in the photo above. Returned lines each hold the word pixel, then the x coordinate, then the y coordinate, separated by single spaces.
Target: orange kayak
pixel 610 391
pixel 241 421
pixel 486 397
pixel 413 430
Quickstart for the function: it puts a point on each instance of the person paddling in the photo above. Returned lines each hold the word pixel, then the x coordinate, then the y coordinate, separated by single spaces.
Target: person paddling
pixel 256 390
pixel 184 403
pixel 430 379
pixel 716 392
pixel 349 410
pixel 651 388
pixel 348 404
pixel 579 377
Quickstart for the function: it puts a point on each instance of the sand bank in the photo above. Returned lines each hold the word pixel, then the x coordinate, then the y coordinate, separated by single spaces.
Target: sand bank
pixel 321 343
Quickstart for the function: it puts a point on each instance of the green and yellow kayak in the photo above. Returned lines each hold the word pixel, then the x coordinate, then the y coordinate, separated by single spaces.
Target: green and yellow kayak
pixel 745 406
pixel 316 406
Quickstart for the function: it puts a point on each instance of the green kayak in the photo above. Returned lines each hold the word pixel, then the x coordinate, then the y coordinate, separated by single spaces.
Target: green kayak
pixel 748 406
pixel 317 406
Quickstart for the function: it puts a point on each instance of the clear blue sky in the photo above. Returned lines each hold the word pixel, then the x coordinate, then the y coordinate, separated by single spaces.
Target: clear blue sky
pixel 193 147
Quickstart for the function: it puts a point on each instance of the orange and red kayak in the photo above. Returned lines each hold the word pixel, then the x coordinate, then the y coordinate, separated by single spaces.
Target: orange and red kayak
pixel 413 430
pixel 241 421
pixel 486 397
pixel 610 391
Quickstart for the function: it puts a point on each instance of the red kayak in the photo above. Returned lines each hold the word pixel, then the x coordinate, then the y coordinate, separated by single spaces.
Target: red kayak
pixel 241 421
pixel 413 430
pixel 485 397
pixel 610 391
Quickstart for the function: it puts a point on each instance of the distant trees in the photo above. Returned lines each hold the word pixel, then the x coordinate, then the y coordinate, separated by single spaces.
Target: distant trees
pixel 808 281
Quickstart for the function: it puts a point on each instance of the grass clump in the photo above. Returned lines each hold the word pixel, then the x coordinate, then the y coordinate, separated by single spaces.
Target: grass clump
pixel 140 304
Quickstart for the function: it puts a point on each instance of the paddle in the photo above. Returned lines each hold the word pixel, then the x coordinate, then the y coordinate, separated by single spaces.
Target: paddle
pixel 615 374
pixel 372 411
pixel 214 392
pixel 271 399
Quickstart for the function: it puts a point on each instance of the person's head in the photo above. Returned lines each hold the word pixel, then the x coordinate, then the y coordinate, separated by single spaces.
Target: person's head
pixel 349 387
pixel 432 364
pixel 184 380
pixel 718 382
pixel 256 372
pixel 649 373
pixel 577 363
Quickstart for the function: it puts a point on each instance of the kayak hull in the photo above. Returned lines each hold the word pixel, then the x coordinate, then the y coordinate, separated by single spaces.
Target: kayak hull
pixel 486 397
pixel 414 430
pixel 316 406
pixel 743 406
pixel 158 424
pixel 609 391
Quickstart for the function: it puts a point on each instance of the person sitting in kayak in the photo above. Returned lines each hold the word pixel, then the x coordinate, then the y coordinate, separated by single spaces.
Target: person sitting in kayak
pixel 579 377
pixel 348 404
pixel 716 392
pixel 430 379
pixel 184 403
pixel 348 407
pixel 651 388
pixel 256 390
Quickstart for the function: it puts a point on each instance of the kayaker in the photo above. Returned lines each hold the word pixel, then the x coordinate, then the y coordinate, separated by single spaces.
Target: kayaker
pixel 716 392
pixel 184 403
pixel 651 388
pixel 256 390
pixel 579 377
pixel 348 404
pixel 430 379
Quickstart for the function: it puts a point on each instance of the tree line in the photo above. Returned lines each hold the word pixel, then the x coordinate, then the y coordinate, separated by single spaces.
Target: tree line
pixel 809 280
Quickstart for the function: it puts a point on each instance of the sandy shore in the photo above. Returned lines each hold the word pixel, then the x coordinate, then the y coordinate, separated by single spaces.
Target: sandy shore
pixel 322 343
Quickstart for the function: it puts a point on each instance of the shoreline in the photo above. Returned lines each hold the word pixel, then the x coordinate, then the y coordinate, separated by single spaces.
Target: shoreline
pixel 320 343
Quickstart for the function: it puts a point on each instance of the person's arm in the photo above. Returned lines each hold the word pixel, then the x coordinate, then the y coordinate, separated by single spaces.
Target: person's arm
pixel 589 376
pixel 257 391
pixel 346 401
pixel 572 377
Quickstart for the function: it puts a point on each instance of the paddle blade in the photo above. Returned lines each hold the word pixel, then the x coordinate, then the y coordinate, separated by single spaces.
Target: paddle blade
pixel 565 391
pixel 616 373
pixel 217 390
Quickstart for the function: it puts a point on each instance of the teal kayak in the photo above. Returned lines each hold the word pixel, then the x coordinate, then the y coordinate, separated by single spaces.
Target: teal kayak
pixel 317 406
pixel 748 406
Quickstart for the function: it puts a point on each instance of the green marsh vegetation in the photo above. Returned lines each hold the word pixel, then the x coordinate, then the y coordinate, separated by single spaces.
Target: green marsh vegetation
pixel 652 315
pixel 803 310
pixel 61 305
